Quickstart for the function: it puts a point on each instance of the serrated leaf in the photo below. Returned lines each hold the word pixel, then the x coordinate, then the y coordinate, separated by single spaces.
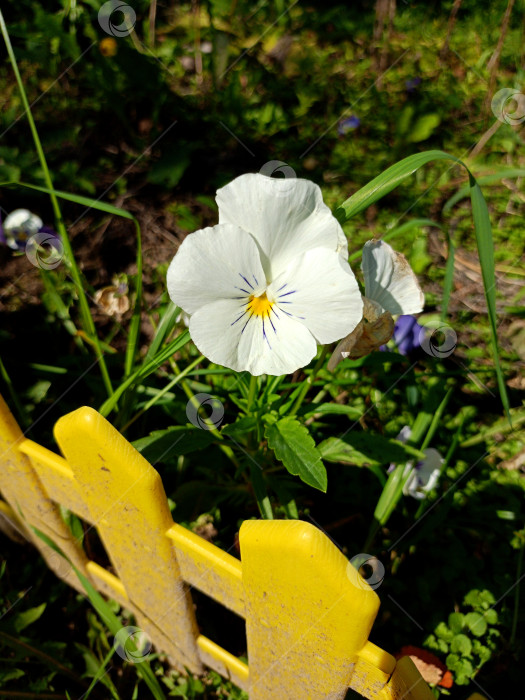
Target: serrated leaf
pixel 164 445
pixel 295 448
pixel 27 617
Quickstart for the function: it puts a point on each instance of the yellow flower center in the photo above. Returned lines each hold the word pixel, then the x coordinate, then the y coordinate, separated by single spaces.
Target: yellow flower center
pixel 260 306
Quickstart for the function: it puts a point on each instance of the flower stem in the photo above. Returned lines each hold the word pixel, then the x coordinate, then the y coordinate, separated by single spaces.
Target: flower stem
pixel 251 393
pixel 307 383
pixel 69 257
pixel 261 494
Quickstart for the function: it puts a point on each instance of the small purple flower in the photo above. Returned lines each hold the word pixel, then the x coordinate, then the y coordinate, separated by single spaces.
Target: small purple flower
pixel 407 334
pixel 412 83
pixel 348 124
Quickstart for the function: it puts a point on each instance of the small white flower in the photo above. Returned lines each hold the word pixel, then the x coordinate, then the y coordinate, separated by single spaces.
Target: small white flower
pixel 270 281
pixel 391 287
pixel 19 226
pixel 424 476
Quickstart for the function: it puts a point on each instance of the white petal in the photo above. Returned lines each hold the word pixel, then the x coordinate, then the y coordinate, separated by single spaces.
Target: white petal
pixel 286 217
pixel 425 477
pixel 320 289
pixel 220 262
pixel 251 344
pixel 389 279
pixel 23 220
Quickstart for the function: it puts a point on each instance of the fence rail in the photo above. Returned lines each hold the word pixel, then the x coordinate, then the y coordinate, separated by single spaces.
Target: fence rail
pixel 308 613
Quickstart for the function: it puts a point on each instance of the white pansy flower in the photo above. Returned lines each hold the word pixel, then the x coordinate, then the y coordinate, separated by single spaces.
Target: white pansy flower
pixel 270 281
pixel 391 287
pixel 19 226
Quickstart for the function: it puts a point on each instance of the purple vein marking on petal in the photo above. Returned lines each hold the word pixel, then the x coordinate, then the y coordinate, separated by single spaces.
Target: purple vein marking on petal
pixel 237 319
pixel 302 318
pixel 244 278
pixel 285 295
pixel 255 278
pixel 243 290
pixel 284 285
pixel 247 322
pixel 269 319
pixel 264 335
pixel 275 312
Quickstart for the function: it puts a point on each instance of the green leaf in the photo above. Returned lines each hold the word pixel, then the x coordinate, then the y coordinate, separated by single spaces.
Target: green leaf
pixel 476 623
pixel 483 180
pixel 491 616
pixel 26 618
pixel 424 127
pixel 243 425
pixel 443 632
pixel 164 445
pixel 336 409
pixel 295 448
pixel 363 449
pixel 461 644
pixel 387 181
pixel 455 622
pixel 166 325
pixel 485 243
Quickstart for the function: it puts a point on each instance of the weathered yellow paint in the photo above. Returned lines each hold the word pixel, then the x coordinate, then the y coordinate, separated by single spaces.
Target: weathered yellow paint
pixel 308 612
pixel 406 682
pixel 25 494
pixel 223 662
pixel 57 478
pixel 128 505
pixel 11 525
pixel 477 696
pixel 209 568
pixel 109 584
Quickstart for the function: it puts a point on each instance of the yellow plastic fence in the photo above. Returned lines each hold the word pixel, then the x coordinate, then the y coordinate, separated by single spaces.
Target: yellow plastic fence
pixel 308 612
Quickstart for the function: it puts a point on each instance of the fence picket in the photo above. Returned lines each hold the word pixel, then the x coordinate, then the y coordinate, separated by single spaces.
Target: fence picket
pixel 308 612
